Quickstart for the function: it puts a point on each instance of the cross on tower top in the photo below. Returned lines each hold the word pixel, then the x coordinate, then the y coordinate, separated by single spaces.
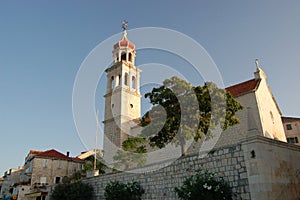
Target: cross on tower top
pixel 124 25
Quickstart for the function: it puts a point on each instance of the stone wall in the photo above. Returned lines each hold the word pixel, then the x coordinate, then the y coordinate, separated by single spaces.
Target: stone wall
pixel 51 168
pixel 227 162
pixel 258 168
pixel 273 169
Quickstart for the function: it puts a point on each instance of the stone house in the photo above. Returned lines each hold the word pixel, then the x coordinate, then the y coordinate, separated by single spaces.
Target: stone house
pixel 292 129
pixel 11 178
pixel 47 168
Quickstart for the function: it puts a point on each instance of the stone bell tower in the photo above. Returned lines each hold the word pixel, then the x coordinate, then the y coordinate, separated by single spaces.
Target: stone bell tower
pixel 122 98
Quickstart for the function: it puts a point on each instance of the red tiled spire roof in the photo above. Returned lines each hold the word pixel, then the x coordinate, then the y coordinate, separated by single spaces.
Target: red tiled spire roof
pixel 124 42
pixel 243 88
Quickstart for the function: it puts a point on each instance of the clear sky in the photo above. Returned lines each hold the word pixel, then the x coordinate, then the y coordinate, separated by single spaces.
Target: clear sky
pixel 43 43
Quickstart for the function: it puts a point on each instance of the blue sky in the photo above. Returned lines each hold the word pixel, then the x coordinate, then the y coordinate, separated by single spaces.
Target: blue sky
pixel 43 43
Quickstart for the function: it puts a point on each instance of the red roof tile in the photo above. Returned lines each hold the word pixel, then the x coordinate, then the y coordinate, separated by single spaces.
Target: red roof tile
pixel 55 154
pixel 243 88
pixel 124 42
pixel 35 152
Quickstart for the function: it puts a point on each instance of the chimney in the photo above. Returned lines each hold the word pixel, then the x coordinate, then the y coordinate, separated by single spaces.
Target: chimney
pixel 68 153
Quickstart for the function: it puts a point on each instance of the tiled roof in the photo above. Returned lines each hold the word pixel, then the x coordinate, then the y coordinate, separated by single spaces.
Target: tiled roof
pixel 243 88
pixel 55 154
pixel 35 152
pixel 124 42
pixel 290 119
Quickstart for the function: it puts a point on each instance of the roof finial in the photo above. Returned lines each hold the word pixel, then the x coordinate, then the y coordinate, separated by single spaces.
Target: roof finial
pixel 124 26
pixel 257 64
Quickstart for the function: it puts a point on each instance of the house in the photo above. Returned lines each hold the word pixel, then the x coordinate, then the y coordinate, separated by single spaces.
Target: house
pixel 89 159
pixel 292 129
pixel 47 168
pixel 10 180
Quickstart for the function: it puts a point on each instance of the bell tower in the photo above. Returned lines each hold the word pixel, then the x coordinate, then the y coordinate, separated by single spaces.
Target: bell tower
pixel 122 98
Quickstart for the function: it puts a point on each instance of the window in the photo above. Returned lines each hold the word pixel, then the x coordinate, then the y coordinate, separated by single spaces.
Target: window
pixel 126 79
pixel 130 57
pixel 120 80
pixel 289 126
pixel 44 163
pixel 57 179
pixel 272 117
pixel 133 82
pixel 123 56
pixel 58 164
pixel 292 140
pixel 43 180
pixel 112 82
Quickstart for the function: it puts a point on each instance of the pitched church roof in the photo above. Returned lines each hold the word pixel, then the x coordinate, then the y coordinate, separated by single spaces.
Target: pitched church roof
pixel 244 87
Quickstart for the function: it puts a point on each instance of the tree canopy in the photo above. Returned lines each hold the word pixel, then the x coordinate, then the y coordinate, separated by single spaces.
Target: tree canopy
pixel 133 153
pixel 72 191
pixel 180 112
pixel 190 112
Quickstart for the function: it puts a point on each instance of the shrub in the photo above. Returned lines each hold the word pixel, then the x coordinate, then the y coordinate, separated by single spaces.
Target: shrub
pixel 205 186
pixel 121 191
pixel 72 191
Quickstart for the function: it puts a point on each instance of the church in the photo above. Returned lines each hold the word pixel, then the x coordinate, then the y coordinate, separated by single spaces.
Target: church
pixel 261 114
pixel 253 156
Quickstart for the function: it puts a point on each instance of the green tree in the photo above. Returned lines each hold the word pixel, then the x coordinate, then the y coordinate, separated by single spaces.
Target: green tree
pixel 89 164
pixel 188 112
pixel 133 153
pixel 205 186
pixel 72 191
pixel 121 191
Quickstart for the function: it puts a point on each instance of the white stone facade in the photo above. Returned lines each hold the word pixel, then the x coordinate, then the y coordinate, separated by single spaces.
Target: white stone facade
pixel 260 116
pixel 122 98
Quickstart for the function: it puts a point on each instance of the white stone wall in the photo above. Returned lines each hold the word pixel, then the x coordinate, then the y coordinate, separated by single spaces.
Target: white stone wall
pixel 273 169
pixel 249 122
pixel 269 114
pixel 122 102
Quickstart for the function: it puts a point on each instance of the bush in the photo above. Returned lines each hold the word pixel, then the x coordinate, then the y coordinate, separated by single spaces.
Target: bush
pixel 205 186
pixel 72 191
pixel 121 191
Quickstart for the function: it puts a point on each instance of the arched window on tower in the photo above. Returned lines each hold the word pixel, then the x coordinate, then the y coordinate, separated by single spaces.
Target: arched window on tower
pixel 123 56
pixel 133 82
pixel 119 82
pixel 112 79
pixel 126 79
pixel 130 57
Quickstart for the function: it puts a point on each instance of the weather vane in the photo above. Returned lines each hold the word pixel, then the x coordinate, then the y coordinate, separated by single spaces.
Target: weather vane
pixel 124 25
